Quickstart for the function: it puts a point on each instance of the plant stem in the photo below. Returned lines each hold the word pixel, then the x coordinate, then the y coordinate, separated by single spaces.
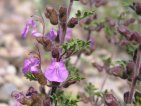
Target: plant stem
pixel 56 103
pixel 70 8
pixel 136 73
pixel 64 25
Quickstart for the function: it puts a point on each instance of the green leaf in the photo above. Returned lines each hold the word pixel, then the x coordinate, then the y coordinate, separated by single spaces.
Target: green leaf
pixel 30 76
pixel 85 14
pixel 92 90
pixel 130 49
pixel 138 98
pixel 64 99
pixel 73 72
pixel 75 45
pixel 121 62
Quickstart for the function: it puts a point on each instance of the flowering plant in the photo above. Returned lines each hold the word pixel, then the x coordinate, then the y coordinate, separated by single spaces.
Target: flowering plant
pixel 61 73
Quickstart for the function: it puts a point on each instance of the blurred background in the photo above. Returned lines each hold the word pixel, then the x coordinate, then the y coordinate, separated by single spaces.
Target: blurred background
pixel 13 16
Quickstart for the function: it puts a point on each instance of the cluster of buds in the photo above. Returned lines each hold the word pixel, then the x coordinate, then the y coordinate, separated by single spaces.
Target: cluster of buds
pixel 31 98
pixel 129 34
pixel 60 17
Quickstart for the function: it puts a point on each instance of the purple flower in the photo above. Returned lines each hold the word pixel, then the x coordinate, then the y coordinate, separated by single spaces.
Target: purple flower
pixel 31 24
pixel 31 64
pixel 52 34
pixel 56 72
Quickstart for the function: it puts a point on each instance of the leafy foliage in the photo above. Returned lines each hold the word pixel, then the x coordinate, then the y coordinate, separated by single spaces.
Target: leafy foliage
pixel 73 72
pixel 92 90
pixel 85 14
pixel 75 45
pixel 138 98
pixel 30 76
pixel 121 62
pixel 130 49
pixel 64 99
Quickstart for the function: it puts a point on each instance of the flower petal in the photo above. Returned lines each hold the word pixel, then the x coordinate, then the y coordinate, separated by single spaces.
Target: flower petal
pixel 56 72
pixel 36 34
pixel 25 31
pixel 52 34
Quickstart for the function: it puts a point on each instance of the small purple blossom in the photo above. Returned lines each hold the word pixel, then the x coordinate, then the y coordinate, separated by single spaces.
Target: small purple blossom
pixel 31 24
pixel 52 34
pixel 31 64
pixel 56 72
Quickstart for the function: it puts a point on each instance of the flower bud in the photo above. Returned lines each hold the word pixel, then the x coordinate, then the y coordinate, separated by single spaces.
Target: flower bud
pixel 137 37
pixel 21 98
pixel 63 14
pixel 68 83
pixel 47 44
pixel 129 21
pixel 41 78
pixel 126 96
pixel 137 7
pixel 52 15
pixel 111 22
pixel 30 91
pixel 55 53
pixel 117 71
pixel 110 100
pixel 72 22
pixel 98 67
pixel 125 31
pixel 35 97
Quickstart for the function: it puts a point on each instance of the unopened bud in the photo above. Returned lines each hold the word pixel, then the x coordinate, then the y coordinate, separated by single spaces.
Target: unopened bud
pixel 110 100
pixel 55 53
pixel 111 22
pixel 68 83
pixel 98 67
pixel 137 37
pixel 137 7
pixel 117 71
pixel 72 22
pixel 30 91
pixel 47 44
pixel 63 14
pixel 129 21
pixel 125 31
pixel 41 78
pixel 52 15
